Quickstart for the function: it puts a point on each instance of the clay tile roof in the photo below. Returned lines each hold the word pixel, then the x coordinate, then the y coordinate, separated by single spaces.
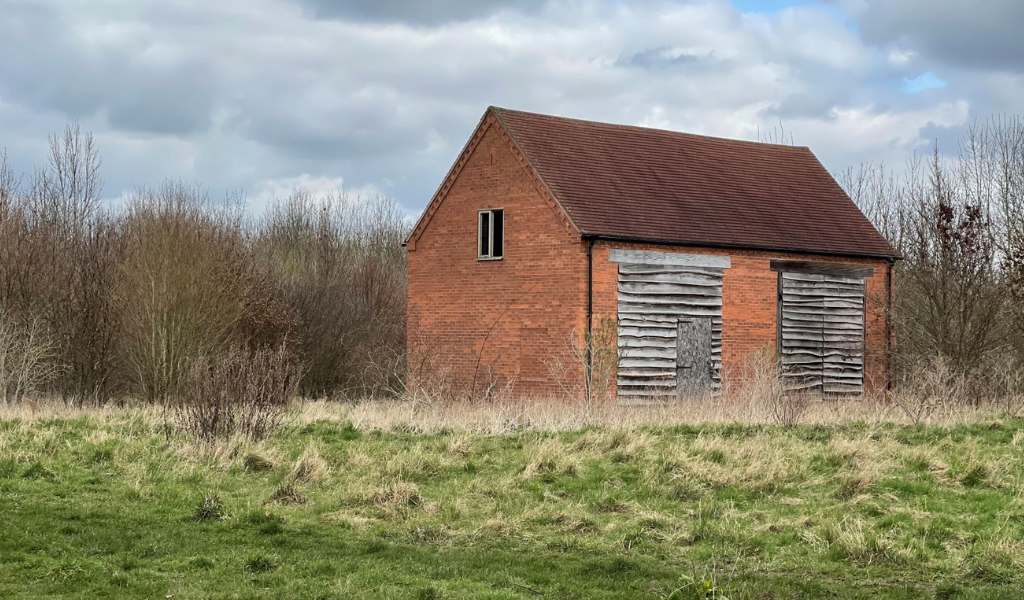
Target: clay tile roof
pixel 643 184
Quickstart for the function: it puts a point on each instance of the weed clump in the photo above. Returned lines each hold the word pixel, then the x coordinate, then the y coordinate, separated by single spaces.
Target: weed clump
pixel 975 476
pixel 289 495
pixel 311 467
pixel 254 463
pixel 210 508
pixel 37 470
pixel 259 563
pixel 400 495
pixel 548 459
pixel 265 522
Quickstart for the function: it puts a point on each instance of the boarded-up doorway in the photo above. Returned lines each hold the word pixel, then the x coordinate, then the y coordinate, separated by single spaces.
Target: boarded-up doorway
pixel 821 328
pixel 694 365
pixel 670 323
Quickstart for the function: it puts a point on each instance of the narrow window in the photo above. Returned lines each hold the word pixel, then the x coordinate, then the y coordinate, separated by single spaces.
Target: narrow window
pixel 498 235
pixel 485 234
pixel 491 233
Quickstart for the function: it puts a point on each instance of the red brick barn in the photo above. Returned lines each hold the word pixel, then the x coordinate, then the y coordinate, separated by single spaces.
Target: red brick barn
pixel 700 250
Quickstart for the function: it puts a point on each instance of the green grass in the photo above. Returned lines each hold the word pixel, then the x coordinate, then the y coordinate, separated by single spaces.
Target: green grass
pixel 106 506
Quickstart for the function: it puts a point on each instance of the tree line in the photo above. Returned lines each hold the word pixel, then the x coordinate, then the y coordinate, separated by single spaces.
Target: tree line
pixel 100 304
pixel 957 220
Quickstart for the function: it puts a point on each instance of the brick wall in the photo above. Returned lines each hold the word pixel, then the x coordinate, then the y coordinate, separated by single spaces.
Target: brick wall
pixel 750 302
pixel 502 321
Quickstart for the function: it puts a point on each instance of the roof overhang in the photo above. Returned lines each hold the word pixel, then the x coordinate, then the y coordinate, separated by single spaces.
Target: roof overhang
pixel 682 243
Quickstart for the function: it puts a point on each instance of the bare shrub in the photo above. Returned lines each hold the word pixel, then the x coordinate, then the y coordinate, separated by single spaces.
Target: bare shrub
pixel 341 266
pixel 26 354
pixel 58 258
pixel 957 222
pixel 1004 387
pixel 587 369
pixel 761 386
pixel 180 294
pixel 428 372
pixel 237 392
pixel 932 387
pixel 132 297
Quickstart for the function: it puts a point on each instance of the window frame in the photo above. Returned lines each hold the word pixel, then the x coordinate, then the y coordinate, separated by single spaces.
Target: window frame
pixel 489 212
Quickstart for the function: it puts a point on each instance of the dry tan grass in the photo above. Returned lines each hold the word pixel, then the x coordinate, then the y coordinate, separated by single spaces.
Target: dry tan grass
pixel 555 414
pixel 506 415
pixel 310 467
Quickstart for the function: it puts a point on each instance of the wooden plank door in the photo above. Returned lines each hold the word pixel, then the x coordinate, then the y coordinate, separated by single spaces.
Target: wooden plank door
pixel 821 333
pixel 652 300
pixel 693 356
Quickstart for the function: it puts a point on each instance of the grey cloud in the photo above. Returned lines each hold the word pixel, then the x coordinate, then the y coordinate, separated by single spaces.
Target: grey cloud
pixel 414 11
pixel 659 58
pixel 44 66
pixel 351 130
pixel 985 35
pixel 946 138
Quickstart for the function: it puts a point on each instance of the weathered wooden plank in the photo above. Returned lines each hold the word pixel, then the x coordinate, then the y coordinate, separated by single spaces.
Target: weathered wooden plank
pixel 824 268
pixel 627 362
pixel 649 257
pixel 646 331
pixel 678 310
pixel 819 282
pixel 659 321
pixel 669 289
pixel 644 391
pixel 646 375
pixel 798 326
pixel 648 274
pixel 818 277
pixel 816 302
pixel 667 274
pixel 839 315
pixel 648 352
pixel 650 383
pixel 675 300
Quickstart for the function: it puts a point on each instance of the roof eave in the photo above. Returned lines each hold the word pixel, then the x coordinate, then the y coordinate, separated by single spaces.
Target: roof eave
pixel 641 240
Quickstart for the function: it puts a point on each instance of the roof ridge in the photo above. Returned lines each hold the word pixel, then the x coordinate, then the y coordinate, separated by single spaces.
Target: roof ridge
pixel 623 126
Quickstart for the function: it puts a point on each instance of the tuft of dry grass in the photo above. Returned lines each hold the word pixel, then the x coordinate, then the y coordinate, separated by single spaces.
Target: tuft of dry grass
pixel 310 467
pixel 398 495
pixel 288 494
pixel 550 457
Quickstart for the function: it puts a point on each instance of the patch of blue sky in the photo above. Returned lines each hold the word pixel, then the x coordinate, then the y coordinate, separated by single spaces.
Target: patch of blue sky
pixel 768 6
pixel 923 82
pixel 773 7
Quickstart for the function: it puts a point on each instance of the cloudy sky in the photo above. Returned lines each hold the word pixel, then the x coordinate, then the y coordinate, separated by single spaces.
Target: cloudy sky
pixel 261 96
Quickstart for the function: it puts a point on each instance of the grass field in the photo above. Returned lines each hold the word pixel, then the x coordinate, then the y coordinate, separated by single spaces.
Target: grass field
pixel 105 504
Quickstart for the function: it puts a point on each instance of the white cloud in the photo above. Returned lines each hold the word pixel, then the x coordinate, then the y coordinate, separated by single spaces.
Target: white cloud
pixel 868 132
pixel 269 190
pixel 899 57
pixel 266 95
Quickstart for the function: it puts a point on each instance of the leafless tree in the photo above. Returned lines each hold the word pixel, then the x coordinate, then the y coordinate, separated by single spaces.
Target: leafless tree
pixel 957 222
